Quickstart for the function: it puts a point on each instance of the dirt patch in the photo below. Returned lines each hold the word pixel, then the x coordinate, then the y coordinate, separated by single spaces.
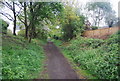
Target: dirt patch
pixel 57 65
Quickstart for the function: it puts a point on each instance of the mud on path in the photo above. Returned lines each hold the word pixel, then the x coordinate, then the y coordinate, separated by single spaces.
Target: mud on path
pixel 57 65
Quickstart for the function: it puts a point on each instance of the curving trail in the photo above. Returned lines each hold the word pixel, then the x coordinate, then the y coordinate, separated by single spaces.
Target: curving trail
pixel 57 65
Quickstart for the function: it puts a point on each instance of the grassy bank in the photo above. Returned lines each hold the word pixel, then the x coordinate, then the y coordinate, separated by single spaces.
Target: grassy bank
pixel 21 60
pixel 96 58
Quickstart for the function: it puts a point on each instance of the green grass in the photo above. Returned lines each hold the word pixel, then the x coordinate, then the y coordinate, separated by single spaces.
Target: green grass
pixel 80 72
pixel 21 60
pixel 57 42
pixel 96 58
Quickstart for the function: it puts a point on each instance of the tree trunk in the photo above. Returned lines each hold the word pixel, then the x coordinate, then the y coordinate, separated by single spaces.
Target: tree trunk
pixel 14 28
pixel 26 26
pixel 33 28
pixel 31 22
pixel 95 22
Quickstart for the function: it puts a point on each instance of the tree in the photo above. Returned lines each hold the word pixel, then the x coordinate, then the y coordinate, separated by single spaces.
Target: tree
pixel 23 17
pixel 14 28
pixel 31 21
pixel 110 19
pixel 4 26
pixel 11 6
pixel 42 11
pixel 71 23
pixel 26 26
pixel 98 11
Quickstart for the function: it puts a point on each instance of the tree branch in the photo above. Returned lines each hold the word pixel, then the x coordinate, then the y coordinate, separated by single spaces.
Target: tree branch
pixel 6 4
pixel 9 6
pixel 19 11
pixel 5 14
pixel 19 5
pixel 21 20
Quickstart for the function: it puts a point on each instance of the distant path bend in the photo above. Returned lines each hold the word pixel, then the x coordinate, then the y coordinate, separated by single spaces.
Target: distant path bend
pixel 57 65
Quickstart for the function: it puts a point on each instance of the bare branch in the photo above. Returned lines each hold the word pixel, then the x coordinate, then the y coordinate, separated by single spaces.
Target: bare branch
pixel 8 16
pixel 9 6
pixel 21 19
pixel 19 11
pixel 18 4
pixel 6 4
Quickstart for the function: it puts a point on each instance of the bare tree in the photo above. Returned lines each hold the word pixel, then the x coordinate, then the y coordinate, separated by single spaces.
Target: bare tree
pixel 98 11
pixel 23 17
pixel 11 6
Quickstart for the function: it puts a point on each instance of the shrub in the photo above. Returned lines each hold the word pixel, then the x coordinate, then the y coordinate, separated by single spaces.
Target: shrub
pixel 4 26
pixel 9 32
pixel 21 33
pixel 94 27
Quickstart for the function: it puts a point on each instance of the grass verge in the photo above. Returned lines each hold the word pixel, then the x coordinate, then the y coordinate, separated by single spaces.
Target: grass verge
pixel 21 60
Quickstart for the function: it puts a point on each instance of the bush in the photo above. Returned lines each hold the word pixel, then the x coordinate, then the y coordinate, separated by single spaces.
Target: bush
pixel 41 34
pixel 9 32
pixel 4 26
pixel 94 27
pixel 21 33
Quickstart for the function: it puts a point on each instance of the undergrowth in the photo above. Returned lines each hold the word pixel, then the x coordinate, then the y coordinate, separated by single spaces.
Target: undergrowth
pixel 99 57
pixel 20 59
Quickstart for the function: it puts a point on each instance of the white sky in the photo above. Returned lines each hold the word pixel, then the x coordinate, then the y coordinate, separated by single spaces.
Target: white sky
pixel 114 4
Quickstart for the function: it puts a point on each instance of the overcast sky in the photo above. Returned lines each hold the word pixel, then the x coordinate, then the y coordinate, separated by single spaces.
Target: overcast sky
pixel 114 4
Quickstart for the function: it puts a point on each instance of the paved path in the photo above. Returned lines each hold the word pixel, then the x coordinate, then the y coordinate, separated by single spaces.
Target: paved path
pixel 57 65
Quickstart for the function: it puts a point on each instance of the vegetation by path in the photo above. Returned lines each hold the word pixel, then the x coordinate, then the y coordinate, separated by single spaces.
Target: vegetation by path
pixel 98 57
pixel 61 21
pixel 58 67
pixel 21 60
